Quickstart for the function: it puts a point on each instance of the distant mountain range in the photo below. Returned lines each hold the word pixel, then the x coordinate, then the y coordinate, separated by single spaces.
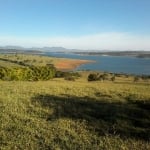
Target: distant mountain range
pixel 33 48
pixel 37 50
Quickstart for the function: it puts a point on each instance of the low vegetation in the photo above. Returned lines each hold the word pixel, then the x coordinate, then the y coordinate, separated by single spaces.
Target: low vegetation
pixel 111 77
pixel 75 114
pixel 31 73
pixel 19 68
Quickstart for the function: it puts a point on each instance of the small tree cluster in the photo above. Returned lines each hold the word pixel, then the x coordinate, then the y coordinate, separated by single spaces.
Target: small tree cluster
pixel 100 77
pixel 92 77
pixel 70 76
pixel 61 74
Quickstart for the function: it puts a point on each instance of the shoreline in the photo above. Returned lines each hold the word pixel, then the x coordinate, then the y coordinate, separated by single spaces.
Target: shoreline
pixel 68 65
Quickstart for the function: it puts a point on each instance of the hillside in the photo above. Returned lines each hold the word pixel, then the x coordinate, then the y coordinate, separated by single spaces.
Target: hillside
pixel 22 60
pixel 62 114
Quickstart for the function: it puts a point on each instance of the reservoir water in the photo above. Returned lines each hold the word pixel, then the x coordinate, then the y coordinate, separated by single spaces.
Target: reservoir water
pixel 117 64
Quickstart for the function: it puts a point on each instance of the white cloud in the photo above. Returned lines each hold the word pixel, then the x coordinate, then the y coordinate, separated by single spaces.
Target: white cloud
pixel 111 41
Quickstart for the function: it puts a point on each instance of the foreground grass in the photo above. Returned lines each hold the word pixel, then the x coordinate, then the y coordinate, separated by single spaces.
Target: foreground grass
pixel 61 114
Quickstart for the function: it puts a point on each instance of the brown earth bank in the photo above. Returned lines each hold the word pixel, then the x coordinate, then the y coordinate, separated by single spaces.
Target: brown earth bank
pixel 70 64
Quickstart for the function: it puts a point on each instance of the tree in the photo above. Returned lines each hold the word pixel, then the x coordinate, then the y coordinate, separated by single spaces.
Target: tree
pixel 92 77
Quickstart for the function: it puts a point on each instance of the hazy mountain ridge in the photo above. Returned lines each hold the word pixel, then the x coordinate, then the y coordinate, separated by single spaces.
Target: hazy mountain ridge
pixel 33 48
pixel 38 50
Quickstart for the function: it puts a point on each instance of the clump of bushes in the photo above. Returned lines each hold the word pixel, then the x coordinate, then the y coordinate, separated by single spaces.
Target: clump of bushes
pixel 35 73
pixel 61 74
pixel 100 77
pixel 31 73
pixel 93 77
pixel 103 77
pixel 70 76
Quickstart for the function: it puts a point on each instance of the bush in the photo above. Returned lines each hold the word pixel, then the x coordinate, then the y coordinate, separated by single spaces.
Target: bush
pixel 93 77
pixel 100 77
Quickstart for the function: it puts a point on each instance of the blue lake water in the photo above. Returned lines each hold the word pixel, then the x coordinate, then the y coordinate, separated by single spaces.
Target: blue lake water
pixel 117 64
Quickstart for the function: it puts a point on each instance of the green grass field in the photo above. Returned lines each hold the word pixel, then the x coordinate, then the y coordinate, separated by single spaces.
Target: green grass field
pixel 75 115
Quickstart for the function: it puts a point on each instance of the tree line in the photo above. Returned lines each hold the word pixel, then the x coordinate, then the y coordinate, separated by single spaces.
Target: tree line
pixel 100 77
pixel 35 73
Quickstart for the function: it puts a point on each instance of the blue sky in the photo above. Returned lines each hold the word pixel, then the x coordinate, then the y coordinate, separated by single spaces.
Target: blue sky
pixel 82 24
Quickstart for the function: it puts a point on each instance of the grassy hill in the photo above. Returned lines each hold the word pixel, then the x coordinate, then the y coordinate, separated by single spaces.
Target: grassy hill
pixel 60 114
pixel 15 60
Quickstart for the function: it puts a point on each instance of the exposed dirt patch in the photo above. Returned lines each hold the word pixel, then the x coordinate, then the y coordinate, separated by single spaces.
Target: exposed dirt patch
pixel 70 64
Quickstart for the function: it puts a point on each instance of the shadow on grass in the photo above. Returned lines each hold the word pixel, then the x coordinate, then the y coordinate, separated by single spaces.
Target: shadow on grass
pixel 129 120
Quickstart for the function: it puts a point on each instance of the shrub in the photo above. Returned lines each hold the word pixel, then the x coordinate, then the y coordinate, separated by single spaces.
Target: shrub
pixel 92 77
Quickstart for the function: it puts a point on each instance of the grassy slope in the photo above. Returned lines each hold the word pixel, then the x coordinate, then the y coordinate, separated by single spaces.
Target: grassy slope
pixel 36 60
pixel 13 60
pixel 61 114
